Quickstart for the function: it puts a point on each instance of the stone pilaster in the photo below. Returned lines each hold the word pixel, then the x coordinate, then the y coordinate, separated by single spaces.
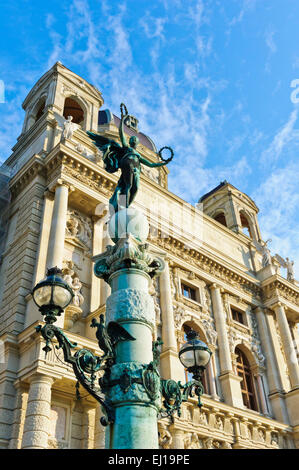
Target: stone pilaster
pixel 261 393
pixel 99 430
pixel 95 291
pixel 32 312
pixel 36 425
pixel 88 427
pixel 230 382
pixel 288 345
pixel 169 362
pixel 57 233
pixel 274 378
pixel 19 416
pixel 220 323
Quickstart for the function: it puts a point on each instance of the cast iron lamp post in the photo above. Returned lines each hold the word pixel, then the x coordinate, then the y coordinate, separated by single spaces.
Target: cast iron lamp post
pixel 127 387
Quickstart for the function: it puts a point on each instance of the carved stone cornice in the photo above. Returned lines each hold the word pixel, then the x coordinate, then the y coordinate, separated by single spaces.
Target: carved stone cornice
pixel 30 170
pixel 205 263
pixel 279 288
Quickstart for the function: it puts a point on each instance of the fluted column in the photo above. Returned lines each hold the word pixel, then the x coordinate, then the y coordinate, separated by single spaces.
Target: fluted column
pixel 220 323
pixel 170 366
pixel 59 218
pixel 288 345
pixel 36 427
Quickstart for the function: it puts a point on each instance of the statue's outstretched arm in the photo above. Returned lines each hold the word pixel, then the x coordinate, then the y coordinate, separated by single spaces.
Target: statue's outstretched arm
pixel 121 131
pixel 152 165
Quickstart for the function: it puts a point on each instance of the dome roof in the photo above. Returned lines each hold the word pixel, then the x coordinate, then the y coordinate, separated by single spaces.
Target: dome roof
pixel 105 117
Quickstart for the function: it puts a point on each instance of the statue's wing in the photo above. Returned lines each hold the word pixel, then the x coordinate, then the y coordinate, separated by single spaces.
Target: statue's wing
pixel 112 151
pixel 117 333
pixel 281 260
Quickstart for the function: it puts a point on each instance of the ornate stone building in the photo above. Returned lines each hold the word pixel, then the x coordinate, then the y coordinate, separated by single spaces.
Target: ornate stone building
pixel 220 279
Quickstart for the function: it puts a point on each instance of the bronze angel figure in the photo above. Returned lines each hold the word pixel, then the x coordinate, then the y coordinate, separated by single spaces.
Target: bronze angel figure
pixel 126 158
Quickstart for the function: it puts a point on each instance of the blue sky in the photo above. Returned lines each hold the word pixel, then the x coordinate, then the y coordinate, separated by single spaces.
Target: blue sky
pixel 210 78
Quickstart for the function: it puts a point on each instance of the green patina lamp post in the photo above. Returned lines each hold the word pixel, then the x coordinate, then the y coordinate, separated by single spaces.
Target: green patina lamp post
pixel 125 379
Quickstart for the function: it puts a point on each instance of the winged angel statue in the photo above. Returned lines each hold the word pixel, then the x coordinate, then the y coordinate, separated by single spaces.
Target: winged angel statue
pixel 264 250
pixel 289 265
pixel 126 158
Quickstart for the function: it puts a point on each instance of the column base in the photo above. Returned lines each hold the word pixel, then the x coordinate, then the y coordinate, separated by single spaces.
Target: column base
pixel 279 407
pixel 170 366
pixel 230 384
pixel 292 402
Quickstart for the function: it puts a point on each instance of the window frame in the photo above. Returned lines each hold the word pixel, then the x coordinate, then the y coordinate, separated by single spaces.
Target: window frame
pixel 247 385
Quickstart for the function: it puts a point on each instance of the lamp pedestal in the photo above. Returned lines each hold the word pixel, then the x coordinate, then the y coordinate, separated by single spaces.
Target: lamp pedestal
pixel 134 384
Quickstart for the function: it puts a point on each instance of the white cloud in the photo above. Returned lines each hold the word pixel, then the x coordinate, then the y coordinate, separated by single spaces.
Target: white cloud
pixel 285 135
pixel 269 38
pixel 278 201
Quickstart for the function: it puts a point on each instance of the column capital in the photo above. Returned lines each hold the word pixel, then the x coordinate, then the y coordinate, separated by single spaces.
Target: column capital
pixel 49 194
pixel 39 377
pixel 97 217
pixel 61 182
pixel 215 286
pixel 278 305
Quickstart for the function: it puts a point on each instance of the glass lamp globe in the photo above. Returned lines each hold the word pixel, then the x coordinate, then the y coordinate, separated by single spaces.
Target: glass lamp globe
pixel 53 291
pixel 195 353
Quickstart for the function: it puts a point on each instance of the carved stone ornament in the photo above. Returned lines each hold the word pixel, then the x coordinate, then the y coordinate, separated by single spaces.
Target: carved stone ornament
pixel 127 253
pixel 210 331
pixel 79 227
pixel 165 438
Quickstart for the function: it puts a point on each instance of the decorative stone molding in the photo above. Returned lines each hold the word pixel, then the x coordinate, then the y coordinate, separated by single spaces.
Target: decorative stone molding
pixel 281 289
pixel 165 437
pixel 205 263
pixel 79 227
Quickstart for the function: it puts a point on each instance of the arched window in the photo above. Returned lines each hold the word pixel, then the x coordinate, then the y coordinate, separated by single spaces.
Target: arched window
pixel 221 218
pixel 72 108
pixel 40 110
pixel 245 225
pixel 204 376
pixel 247 383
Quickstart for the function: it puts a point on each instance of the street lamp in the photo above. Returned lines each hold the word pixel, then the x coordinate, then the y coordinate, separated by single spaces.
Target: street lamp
pixel 52 295
pixel 195 354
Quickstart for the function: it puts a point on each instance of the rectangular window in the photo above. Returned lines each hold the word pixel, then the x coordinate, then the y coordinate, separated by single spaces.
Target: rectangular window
pixel 237 316
pixel 188 292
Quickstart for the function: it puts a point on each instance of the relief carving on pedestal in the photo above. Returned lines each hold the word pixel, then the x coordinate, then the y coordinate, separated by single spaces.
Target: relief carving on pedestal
pixel 165 438
pixel 79 228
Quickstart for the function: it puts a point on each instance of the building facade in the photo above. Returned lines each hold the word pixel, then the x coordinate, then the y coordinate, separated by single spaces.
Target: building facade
pixel 220 279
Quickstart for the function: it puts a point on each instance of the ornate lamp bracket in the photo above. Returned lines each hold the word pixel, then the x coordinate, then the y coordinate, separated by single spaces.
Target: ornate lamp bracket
pixel 85 362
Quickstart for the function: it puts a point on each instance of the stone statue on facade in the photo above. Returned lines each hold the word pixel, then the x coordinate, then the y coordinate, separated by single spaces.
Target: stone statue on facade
pixel 69 128
pixel 265 252
pixel 289 265
pixel 78 298
pixel 126 158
